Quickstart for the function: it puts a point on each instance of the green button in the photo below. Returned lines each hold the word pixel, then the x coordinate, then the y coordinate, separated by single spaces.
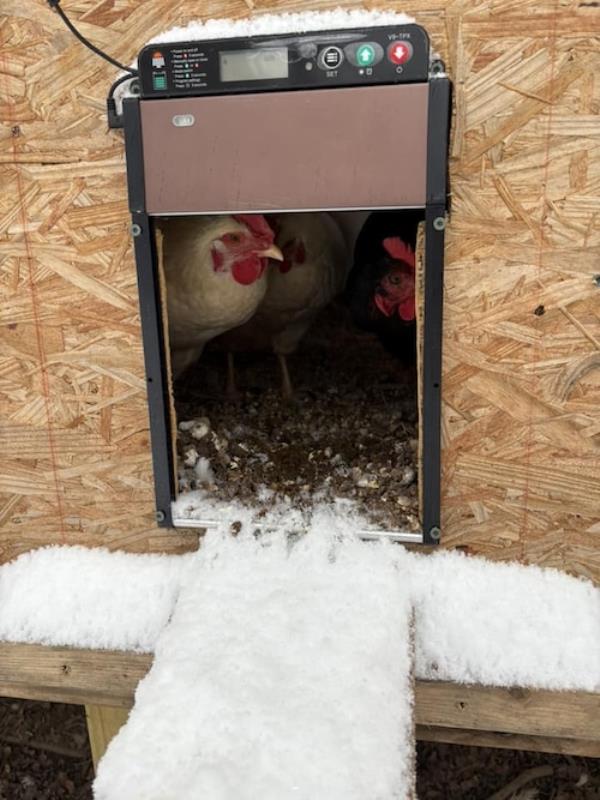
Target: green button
pixel 365 55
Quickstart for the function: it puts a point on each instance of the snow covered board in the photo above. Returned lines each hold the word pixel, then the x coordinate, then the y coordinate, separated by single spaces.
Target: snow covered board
pixel 284 674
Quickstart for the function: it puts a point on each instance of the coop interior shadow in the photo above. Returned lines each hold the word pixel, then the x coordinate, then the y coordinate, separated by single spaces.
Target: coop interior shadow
pixel 337 422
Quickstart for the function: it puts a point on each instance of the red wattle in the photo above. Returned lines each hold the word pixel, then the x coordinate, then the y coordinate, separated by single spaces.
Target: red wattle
pixel 406 310
pixel 248 270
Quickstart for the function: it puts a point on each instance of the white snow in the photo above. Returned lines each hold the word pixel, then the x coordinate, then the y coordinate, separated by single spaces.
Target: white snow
pixel 503 624
pixel 199 506
pixel 264 24
pixel 476 621
pixel 79 597
pixel 284 674
pixel 282 666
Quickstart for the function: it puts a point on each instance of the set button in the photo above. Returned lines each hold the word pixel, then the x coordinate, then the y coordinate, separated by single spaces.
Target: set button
pixel 330 57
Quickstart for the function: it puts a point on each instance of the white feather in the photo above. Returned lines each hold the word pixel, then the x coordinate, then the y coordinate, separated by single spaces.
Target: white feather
pixel 201 302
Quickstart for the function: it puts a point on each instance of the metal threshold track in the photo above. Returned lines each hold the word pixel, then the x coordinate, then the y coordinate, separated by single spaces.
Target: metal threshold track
pixel 403 537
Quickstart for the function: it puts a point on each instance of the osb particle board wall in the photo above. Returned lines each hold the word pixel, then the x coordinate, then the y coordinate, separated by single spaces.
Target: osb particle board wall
pixel 522 360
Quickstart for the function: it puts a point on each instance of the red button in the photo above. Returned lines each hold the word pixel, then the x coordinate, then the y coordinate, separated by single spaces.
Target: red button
pixel 400 52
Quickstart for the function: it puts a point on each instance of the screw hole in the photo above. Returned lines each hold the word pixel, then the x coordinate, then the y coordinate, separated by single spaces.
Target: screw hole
pixel 436 386
pixel 150 380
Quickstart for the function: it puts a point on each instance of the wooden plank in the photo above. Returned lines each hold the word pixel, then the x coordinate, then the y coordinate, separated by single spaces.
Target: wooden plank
pixel 66 675
pixel 571 715
pixel 103 723
pixel 110 678
pixel 509 741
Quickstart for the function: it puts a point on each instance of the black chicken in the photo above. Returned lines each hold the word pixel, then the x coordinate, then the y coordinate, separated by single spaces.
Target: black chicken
pixel 380 291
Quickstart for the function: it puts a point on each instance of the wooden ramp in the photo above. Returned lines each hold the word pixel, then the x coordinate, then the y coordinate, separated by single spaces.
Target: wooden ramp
pixel 275 678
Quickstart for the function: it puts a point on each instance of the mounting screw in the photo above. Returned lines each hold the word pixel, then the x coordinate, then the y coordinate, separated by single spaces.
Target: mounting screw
pixel 597 280
pixel 160 516
pixel 435 533
pixel 439 223
pixel 135 229
pixel 437 67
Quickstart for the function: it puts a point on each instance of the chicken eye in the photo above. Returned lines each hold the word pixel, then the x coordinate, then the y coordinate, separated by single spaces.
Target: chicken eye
pixel 394 279
pixel 232 238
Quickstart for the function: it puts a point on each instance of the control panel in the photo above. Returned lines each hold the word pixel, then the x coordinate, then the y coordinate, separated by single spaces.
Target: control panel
pixel 321 59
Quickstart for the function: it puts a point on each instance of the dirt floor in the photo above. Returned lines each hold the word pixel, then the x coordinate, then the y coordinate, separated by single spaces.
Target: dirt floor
pixel 44 752
pixel 350 431
pixel 450 772
pixel 44 755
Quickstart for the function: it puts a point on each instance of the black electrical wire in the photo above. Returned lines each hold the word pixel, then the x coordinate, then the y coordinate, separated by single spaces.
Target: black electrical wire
pixel 55 4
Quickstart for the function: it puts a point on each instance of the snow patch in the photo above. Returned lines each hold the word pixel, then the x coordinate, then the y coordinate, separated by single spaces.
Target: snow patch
pixel 476 621
pixel 285 673
pixel 283 661
pixel 265 24
pixel 503 624
pixel 81 597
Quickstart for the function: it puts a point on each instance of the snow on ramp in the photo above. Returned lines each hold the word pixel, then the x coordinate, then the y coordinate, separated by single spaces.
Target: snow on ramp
pixel 285 670
pixel 497 624
pixel 285 674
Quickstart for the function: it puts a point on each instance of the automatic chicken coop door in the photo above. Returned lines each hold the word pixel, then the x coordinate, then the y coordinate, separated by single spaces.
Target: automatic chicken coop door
pixel 333 120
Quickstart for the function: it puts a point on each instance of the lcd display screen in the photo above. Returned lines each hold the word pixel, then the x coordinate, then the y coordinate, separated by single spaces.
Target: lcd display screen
pixel 254 65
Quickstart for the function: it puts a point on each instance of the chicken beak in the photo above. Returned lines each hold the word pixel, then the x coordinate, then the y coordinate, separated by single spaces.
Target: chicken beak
pixel 272 252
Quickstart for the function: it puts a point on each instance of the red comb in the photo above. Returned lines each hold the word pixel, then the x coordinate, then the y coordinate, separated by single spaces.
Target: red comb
pixel 256 224
pixel 399 250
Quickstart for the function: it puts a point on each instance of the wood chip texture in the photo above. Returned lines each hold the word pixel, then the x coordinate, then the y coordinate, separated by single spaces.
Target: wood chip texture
pixel 521 387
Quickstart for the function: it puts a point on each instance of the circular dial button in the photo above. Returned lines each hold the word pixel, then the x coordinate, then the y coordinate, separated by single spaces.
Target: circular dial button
pixel 330 58
pixel 400 52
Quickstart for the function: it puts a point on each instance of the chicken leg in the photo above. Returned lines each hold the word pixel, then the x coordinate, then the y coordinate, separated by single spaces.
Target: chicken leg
pixel 286 383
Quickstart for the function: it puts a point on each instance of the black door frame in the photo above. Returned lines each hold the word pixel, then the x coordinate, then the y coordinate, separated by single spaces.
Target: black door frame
pixel 153 323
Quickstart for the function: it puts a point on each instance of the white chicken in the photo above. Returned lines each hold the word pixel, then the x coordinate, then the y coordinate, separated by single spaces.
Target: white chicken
pixel 313 271
pixel 215 272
